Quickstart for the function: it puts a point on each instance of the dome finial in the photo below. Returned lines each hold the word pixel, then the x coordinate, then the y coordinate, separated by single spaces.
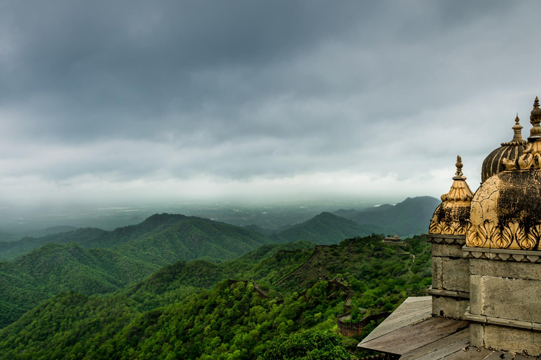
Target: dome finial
pixel 535 119
pixel 459 166
pixel 517 128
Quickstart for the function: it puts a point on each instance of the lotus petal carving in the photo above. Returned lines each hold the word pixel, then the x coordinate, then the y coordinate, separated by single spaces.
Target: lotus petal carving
pixel 529 242
pixel 459 229
pixel 508 235
pixel 472 237
pixel 435 226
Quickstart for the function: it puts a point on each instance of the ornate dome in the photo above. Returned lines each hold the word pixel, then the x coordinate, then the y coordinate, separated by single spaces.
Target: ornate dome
pixel 452 215
pixel 506 210
pixel 493 164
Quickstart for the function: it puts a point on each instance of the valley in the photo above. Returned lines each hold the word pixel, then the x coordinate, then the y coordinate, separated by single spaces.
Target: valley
pixel 96 285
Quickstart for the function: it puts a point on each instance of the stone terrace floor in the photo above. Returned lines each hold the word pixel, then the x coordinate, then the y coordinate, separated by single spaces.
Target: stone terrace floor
pixel 411 332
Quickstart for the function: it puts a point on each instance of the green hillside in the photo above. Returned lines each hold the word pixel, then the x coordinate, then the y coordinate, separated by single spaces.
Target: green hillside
pixel 411 216
pixel 197 233
pixel 161 240
pixel 326 228
pixel 12 250
pixel 189 310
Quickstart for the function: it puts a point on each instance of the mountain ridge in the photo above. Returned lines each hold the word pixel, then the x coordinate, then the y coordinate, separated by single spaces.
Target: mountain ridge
pixel 409 217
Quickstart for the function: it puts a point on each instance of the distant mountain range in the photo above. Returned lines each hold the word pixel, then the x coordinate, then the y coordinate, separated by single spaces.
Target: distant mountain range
pixel 94 261
pixel 411 216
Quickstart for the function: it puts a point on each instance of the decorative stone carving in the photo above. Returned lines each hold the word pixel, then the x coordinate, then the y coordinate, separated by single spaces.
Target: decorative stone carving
pixel 446 239
pixel 501 254
pixel 451 216
pixel 489 235
pixel 506 210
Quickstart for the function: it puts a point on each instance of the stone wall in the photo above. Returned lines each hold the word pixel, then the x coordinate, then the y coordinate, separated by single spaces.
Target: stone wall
pixel 450 276
pixel 505 299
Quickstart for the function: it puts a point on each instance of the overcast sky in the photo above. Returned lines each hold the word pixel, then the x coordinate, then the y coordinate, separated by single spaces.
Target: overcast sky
pixel 148 101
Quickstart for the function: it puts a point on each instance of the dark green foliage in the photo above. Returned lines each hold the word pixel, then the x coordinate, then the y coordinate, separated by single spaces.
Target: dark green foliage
pixel 139 251
pixel 380 274
pixel 306 345
pixel 190 310
pixel 232 321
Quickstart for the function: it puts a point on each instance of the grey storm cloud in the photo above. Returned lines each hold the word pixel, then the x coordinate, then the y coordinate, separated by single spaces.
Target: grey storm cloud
pixel 242 90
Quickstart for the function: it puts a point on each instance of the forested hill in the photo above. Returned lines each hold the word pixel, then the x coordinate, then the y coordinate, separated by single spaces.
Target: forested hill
pixel 157 226
pixel 13 249
pixel 93 261
pixel 411 216
pixel 277 304
pixel 326 228
pixel 161 240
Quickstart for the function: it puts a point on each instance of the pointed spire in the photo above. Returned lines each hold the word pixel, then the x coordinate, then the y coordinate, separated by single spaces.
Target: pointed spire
pixel 460 191
pixel 535 119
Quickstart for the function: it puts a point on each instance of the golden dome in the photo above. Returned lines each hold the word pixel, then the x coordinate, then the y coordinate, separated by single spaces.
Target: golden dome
pixel 506 210
pixel 493 163
pixel 451 216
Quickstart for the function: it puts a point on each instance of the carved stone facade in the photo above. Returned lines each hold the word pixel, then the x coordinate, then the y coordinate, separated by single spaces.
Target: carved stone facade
pixel 494 281
pixel 486 265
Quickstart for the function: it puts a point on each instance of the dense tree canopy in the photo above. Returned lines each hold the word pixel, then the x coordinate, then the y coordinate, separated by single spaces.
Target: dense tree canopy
pixel 284 305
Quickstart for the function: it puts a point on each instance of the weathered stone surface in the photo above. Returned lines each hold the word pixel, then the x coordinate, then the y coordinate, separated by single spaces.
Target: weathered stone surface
pixel 477 332
pixel 512 339
pixel 506 211
pixel 455 274
pixel 437 282
pixel 450 293
pixel 449 307
pixel 476 298
pixel 518 270
pixel 512 299
pixel 447 250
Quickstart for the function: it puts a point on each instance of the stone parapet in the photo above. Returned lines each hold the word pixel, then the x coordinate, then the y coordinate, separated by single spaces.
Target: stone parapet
pixel 450 276
pixel 504 299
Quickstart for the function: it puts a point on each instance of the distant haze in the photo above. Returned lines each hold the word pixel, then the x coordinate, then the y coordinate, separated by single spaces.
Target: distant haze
pixel 138 102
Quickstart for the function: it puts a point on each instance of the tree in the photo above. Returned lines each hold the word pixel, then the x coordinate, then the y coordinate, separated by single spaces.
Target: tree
pixel 307 345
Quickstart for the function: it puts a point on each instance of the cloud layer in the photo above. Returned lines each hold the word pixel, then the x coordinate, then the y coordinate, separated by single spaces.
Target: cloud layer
pixel 182 99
